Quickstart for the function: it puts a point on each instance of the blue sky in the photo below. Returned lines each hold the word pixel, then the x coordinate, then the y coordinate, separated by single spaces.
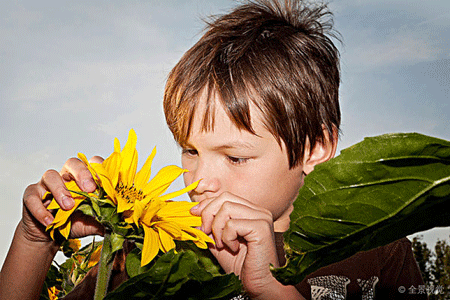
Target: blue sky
pixel 76 74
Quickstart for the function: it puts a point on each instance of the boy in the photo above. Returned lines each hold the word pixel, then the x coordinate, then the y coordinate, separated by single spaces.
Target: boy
pixel 254 107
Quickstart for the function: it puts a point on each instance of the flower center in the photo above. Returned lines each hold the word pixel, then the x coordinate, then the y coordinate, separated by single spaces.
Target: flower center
pixel 130 194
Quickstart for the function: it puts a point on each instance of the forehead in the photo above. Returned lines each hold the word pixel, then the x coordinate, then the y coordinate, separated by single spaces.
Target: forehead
pixel 211 117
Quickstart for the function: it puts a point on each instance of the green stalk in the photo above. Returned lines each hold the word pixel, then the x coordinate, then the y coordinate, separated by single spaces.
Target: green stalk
pixel 105 267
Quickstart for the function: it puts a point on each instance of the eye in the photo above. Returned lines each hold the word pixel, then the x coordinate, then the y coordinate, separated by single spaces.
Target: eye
pixel 237 160
pixel 189 152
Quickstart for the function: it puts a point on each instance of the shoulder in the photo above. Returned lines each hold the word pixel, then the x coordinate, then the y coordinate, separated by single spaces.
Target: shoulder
pixel 399 247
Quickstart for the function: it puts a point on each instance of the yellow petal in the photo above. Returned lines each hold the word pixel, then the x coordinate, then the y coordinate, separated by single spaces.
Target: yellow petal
pixel 189 188
pixel 161 182
pixel 95 257
pixel 105 181
pixel 197 236
pixel 138 210
pixel 143 176
pixel 171 228
pixel 177 209
pixel 51 231
pixel 116 145
pixel 62 215
pixel 52 293
pixel 74 244
pixel 150 211
pixel 151 246
pixel 112 167
pixel 166 240
pixel 72 186
pixel 88 165
pixel 129 157
pixel 123 204
pixel 53 205
pixel 191 221
pixel 65 229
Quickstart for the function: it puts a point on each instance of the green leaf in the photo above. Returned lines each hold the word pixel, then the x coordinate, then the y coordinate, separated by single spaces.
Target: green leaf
pixel 87 210
pixel 205 258
pixel 107 212
pixel 116 241
pixel 133 263
pixel 375 192
pixel 96 208
pixel 178 276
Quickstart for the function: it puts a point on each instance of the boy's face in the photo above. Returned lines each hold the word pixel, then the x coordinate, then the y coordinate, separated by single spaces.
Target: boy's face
pixel 253 167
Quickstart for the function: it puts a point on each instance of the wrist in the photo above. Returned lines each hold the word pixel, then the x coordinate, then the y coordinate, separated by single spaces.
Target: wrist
pixel 26 264
pixel 32 242
pixel 276 290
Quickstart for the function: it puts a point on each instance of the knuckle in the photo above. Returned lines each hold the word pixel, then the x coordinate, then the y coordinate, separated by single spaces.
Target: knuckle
pixel 268 214
pixel 48 174
pixel 62 190
pixel 225 195
pixel 267 225
pixel 96 159
pixel 206 217
pixel 82 173
pixel 227 206
pixel 30 189
pixel 26 195
pixel 72 160
pixel 229 224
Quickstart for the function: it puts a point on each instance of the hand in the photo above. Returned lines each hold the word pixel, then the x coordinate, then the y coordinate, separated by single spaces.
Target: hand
pixel 245 242
pixel 35 215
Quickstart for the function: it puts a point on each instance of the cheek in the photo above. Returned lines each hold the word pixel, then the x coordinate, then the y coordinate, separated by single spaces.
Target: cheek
pixel 274 191
pixel 257 186
pixel 188 177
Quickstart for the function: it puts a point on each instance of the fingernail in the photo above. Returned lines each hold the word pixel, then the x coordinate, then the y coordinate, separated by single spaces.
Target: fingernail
pixel 68 202
pixel 47 221
pixel 88 185
pixel 194 209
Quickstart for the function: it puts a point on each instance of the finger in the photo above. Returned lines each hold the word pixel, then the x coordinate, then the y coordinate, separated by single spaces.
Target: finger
pixel 75 169
pixel 96 159
pixel 209 208
pixel 32 199
pixel 232 210
pixel 256 233
pixel 197 210
pixel 83 225
pixel 217 201
pixel 52 181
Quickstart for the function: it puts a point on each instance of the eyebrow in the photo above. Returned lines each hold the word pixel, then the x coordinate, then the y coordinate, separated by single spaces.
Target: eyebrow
pixel 229 145
pixel 234 145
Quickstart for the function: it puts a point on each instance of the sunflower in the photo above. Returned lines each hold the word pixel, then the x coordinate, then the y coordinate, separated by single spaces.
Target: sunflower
pixel 140 201
pixel 164 222
pixel 53 293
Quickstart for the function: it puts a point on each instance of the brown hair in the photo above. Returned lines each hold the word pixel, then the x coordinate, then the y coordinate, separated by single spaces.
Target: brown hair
pixel 279 57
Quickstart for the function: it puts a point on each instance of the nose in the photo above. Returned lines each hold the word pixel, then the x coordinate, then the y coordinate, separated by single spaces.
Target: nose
pixel 208 175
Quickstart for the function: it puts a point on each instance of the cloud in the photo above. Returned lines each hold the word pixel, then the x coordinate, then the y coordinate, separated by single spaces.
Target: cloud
pixel 395 50
pixel 79 83
pixel 380 34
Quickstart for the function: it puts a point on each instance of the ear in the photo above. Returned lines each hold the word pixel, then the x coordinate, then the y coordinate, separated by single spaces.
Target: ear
pixel 321 152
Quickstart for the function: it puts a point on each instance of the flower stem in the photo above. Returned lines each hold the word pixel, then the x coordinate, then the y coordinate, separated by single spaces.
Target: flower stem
pixel 105 267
